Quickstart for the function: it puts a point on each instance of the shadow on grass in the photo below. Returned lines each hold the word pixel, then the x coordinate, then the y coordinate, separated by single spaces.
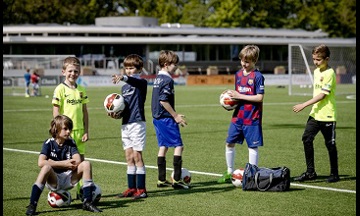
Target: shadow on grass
pixel 103 205
pixel 323 178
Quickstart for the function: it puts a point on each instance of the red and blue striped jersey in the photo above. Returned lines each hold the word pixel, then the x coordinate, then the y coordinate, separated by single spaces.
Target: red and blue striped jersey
pixel 249 113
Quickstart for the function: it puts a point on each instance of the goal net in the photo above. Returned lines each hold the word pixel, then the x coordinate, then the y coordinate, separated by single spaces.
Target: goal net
pixel 301 67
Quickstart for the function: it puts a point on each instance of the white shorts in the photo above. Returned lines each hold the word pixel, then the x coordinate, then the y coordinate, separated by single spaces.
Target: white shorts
pixel 133 135
pixel 63 181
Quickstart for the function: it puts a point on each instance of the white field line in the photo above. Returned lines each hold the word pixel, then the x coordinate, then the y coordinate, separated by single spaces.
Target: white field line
pixel 191 171
pixel 177 106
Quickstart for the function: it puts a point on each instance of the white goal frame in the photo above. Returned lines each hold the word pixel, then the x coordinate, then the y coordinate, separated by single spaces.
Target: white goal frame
pixel 301 67
pixel 304 80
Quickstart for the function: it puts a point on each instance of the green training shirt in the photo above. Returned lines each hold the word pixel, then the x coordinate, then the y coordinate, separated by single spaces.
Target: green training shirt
pixel 71 102
pixel 324 82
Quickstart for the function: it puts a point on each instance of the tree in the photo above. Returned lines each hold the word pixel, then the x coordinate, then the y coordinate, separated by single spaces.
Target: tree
pixel 195 12
pixel 336 17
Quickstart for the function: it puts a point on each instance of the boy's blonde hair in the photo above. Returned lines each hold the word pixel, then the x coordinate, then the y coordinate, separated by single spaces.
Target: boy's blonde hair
pixel 58 122
pixel 321 50
pixel 134 60
pixel 250 53
pixel 167 56
pixel 70 61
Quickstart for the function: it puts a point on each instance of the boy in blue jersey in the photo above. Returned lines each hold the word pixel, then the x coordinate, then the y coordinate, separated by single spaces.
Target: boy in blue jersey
pixel 27 77
pixel 166 120
pixel 246 121
pixel 61 166
pixel 322 116
pixel 133 128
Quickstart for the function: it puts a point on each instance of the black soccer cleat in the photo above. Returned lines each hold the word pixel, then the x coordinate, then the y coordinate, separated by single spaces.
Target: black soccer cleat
pixel 180 185
pixel 161 184
pixel 88 206
pixel 333 178
pixel 306 176
pixel 31 210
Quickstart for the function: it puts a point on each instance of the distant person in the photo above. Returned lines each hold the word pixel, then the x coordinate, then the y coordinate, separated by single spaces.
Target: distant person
pixel 246 121
pixel 35 78
pixel 166 120
pixel 133 128
pixel 70 99
pixel 27 77
pixel 61 166
pixel 322 116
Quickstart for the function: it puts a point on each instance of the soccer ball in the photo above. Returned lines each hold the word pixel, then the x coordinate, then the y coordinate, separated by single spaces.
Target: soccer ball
pixel 227 102
pixel 114 103
pixel 96 194
pixel 60 198
pixel 185 176
pixel 237 176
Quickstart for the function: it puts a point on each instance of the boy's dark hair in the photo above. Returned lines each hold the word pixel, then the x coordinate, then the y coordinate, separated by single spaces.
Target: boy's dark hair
pixel 134 60
pixel 58 122
pixel 321 50
pixel 167 56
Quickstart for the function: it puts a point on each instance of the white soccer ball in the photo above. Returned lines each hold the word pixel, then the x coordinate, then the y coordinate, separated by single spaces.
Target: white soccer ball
pixel 60 198
pixel 114 103
pixel 237 176
pixel 185 176
pixel 227 102
pixel 96 194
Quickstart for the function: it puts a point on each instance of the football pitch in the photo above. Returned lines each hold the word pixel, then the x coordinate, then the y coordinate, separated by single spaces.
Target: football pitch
pixel 26 123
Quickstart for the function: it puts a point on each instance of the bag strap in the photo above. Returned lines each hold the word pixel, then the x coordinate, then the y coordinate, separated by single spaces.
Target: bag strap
pixel 257 175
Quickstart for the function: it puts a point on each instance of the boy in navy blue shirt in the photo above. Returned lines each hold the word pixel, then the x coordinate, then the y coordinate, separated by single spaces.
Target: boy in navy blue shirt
pixel 133 128
pixel 61 166
pixel 166 120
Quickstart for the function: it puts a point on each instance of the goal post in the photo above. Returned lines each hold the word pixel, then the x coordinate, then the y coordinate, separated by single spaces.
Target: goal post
pixel 300 73
pixel 301 68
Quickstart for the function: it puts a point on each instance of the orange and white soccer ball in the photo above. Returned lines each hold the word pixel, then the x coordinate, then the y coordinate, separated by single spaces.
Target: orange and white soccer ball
pixel 227 102
pixel 237 177
pixel 60 198
pixel 185 176
pixel 114 103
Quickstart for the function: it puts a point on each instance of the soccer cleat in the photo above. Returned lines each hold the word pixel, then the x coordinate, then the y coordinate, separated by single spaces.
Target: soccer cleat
pixel 306 176
pixel 165 183
pixel 140 193
pixel 180 185
pixel 128 193
pixel 225 178
pixel 333 178
pixel 88 206
pixel 31 209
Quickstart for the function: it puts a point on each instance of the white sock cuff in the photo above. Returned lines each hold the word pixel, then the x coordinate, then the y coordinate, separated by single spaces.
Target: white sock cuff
pixel 140 170
pixel 131 170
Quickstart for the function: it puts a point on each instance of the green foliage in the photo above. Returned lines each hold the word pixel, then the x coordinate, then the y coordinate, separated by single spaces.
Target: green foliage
pixel 194 13
pixel 336 17
pixel 25 127
pixel 226 14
